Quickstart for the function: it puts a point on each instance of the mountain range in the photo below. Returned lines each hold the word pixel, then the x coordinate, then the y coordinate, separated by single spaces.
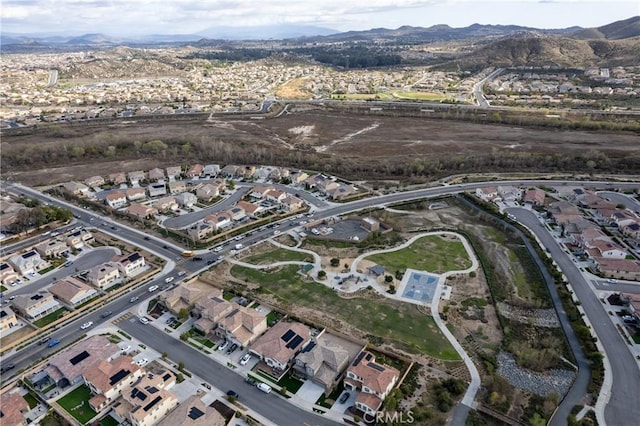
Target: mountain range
pixel 405 34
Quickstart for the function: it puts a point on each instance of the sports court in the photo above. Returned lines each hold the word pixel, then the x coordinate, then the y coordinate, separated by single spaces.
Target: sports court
pixel 420 286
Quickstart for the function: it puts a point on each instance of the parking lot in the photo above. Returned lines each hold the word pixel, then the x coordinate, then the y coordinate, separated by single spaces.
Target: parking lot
pixel 346 230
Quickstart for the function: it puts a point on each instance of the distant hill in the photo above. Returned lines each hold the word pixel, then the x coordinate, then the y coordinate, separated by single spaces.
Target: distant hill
pixel 264 32
pixel 540 50
pixel 618 30
pixel 99 39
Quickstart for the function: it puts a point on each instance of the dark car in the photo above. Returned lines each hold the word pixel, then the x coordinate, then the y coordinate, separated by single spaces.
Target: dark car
pixel 146 238
pixel 232 348
pixel 251 381
pixel 197 258
pixel 232 394
pixel 7 367
pixel 106 314
pixel 165 247
pixel 344 397
pixel 210 262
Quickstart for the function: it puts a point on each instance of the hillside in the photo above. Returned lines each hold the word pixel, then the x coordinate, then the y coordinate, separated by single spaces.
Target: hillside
pixel 626 28
pixel 536 50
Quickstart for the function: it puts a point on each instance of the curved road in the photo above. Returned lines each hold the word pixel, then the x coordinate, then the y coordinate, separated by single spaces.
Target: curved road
pixel 622 407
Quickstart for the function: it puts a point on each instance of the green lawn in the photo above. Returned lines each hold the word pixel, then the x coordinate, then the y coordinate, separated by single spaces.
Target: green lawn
pixel 278 255
pixel 328 401
pixel 389 320
pixel 292 384
pixel 2 289
pixel 31 400
pixel 76 403
pixel 421 96
pixel 227 295
pixel 108 421
pixel 432 253
pixel 48 319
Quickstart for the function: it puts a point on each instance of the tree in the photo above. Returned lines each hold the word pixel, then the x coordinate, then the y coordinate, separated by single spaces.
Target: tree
pixel 322 275
pixel 164 355
pixel 388 279
pixel 181 365
pixel 184 336
pixel 334 262
pixel 184 313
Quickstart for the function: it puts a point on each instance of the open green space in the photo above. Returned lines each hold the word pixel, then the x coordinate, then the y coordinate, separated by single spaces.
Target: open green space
pixel 48 319
pixel 278 255
pixel 76 403
pixel 421 96
pixel 431 253
pixel 383 320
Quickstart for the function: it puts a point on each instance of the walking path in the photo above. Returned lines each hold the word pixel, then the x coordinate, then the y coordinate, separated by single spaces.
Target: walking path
pixel 363 281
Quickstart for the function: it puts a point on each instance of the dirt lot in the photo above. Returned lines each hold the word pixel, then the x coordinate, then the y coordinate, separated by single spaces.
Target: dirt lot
pixel 345 143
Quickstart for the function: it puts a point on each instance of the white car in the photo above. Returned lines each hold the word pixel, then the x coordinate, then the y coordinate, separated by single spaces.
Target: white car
pixel 276 232
pixel 223 346
pixel 86 325
pixel 142 362
pixel 245 359
pixel 168 280
pixel 125 349
pixel 182 273
pixel 264 387
pixel 152 288
pixel 144 320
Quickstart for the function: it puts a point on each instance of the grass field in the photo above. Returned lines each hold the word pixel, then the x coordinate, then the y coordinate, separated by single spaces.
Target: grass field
pixel 392 321
pixel 48 319
pixel 431 253
pixel 278 255
pixel 76 403
pixel 420 96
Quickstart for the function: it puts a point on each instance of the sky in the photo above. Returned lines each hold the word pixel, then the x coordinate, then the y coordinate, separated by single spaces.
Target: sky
pixel 137 17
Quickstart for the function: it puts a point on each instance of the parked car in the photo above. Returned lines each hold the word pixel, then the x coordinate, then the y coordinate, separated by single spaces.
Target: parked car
pixel 344 397
pixel 144 320
pixel 125 349
pixel 53 343
pixel 264 387
pixel 251 381
pixel 232 394
pixel 7 367
pixel 245 359
pixel 86 325
pixel 223 346
pixel 142 362
pixel 232 348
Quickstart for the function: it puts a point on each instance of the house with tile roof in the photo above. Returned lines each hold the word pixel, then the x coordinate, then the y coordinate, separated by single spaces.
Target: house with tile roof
pixel 194 412
pixel 72 292
pixel 148 400
pixel 106 378
pixel 13 409
pixel 35 305
pixel 104 275
pixel 373 381
pixel 279 345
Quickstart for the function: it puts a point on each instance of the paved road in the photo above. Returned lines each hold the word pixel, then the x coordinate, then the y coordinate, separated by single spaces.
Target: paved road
pixel 184 221
pixel 477 88
pixel 619 286
pixel 271 406
pixel 618 198
pixel 623 407
pixel 578 390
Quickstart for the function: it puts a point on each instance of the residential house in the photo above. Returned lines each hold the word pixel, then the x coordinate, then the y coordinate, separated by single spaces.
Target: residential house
pixel 117 178
pixel 260 192
pixel 165 204
pixel 246 172
pixel 534 196
pixel 104 276
pixel 299 177
pixel 341 192
pixel 292 203
pixel 194 412
pixel 207 192
pixel 626 269
pixel 275 195
pixel 35 305
pixel 134 194
pixel 28 262
pixel 173 173
pixel 229 171
pixel 606 249
pixel 219 221
pixel 94 181
pixel 106 378
pixel 591 200
pixel 509 193
pixel 72 292
pixel 209 310
pixel 200 230
pixel 311 182
pixel 622 217
pixel 181 297
pixel 76 188
pixel 148 400
pixel 211 170
pixel 280 344
pixel 136 176
pixel 277 174
pixel 13 409
pixel 487 193
pixel 264 172
pixel 8 319
pixel 116 199
pixel 79 238
pixel 194 171
pixel 66 368
pixel 631 230
pixel 52 248
pixel 373 380
pixel 221 184
pixel 324 360
pixel 141 211
pixel 325 186
pixel 242 325
pixel 157 189
pixel 131 264
pixel 177 187
pixel 156 174
pixel 237 213
pixel 7 274
pixel 632 301
pixel 249 208
pixel 186 199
